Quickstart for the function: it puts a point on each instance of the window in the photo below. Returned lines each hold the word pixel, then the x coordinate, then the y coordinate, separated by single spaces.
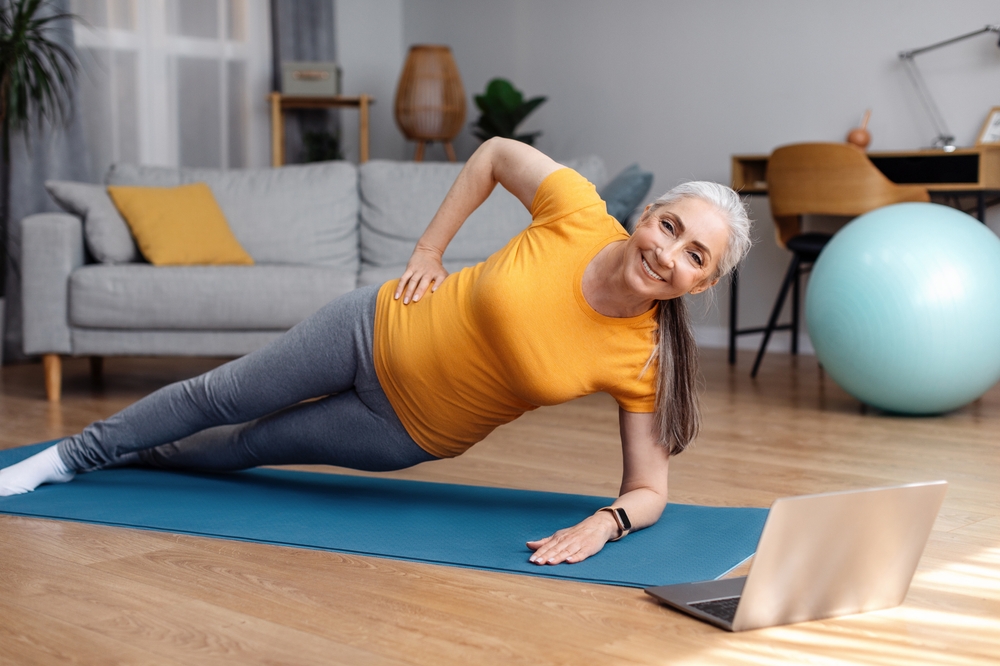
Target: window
pixel 174 82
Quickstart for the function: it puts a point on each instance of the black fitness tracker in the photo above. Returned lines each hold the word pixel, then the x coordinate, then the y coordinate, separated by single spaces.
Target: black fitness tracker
pixel 624 524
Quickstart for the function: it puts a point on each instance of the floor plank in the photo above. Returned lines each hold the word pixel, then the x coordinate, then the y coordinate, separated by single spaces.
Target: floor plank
pixel 79 593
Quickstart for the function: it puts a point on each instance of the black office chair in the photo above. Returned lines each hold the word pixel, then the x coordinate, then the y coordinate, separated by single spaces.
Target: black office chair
pixel 805 250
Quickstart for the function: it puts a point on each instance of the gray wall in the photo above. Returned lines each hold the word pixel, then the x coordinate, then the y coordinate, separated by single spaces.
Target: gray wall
pixel 370 48
pixel 680 86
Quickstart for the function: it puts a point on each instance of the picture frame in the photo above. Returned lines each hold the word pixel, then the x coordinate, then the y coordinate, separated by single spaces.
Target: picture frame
pixel 990 132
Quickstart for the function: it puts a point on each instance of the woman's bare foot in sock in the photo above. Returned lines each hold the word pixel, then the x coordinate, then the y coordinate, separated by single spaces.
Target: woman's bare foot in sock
pixel 25 476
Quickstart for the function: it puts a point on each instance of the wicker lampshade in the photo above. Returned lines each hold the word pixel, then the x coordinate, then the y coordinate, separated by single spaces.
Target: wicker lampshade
pixel 430 99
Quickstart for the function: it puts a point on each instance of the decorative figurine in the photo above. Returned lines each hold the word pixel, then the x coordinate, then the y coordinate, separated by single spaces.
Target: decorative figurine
pixel 860 136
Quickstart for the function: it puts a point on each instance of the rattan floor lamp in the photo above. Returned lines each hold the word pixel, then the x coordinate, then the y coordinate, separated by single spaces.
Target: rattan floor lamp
pixel 430 99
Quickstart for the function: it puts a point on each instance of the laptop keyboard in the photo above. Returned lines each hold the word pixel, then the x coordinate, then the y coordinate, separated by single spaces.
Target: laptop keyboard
pixel 724 609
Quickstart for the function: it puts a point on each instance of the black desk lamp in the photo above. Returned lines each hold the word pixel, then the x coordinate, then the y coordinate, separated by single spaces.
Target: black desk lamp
pixel 945 141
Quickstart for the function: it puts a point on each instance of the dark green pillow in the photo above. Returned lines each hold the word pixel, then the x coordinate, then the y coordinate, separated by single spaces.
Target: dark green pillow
pixel 626 191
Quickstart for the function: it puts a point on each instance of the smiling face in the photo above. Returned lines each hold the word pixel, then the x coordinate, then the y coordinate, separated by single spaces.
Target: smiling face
pixel 675 249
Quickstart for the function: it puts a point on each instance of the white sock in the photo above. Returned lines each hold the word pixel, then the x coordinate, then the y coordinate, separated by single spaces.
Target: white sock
pixel 25 476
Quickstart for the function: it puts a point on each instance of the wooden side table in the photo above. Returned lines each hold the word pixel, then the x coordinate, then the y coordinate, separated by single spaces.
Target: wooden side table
pixel 279 103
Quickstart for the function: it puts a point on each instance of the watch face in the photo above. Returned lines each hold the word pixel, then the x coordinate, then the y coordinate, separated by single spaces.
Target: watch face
pixel 623 519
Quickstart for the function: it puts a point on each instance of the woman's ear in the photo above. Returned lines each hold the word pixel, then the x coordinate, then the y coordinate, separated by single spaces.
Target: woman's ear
pixel 704 286
pixel 645 214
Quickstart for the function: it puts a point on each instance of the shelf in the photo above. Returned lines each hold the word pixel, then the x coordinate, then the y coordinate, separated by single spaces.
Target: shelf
pixel 280 103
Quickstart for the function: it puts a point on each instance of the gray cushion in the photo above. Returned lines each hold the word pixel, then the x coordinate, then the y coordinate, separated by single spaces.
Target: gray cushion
pixel 117 342
pixel 626 191
pixel 108 237
pixel 590 167
pixel 382 274
pixel 305 214
pixel 264 297
pixel 398 200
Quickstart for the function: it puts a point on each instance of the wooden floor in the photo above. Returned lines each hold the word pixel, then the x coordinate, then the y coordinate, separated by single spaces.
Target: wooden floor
pixel 74 593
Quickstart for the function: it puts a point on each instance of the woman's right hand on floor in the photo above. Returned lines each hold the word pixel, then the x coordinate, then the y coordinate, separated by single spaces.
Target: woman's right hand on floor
pixel 577 543
pixel 422 271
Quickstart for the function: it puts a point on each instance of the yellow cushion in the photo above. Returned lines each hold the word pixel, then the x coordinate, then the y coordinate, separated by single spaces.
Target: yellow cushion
pixel 178 226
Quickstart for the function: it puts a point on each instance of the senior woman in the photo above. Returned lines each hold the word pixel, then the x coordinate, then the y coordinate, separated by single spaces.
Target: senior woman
pixel 424 367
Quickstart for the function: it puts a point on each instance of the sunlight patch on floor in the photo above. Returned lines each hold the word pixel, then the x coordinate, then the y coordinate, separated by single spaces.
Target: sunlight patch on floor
pixel 908 634
pixel 848 642
pixel 977 576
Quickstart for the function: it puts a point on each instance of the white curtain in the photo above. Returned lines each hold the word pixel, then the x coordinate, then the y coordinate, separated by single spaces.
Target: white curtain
pixel 174 82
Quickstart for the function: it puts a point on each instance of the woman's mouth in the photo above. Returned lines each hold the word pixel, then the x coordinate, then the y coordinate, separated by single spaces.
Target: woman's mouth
pixel 649 271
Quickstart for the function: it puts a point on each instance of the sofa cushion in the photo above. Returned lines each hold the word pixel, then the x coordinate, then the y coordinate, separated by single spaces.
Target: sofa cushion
pixel 108 237
pixel 625 192
pixel 118 342
pixel 381 274
pixel 179 226
pixel 590 167
pixel 304 214
pixel 398 200
pixel 141 296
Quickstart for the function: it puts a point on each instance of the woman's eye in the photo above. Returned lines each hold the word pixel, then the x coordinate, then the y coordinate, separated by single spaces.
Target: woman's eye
pixel 697 259
pixel 668 225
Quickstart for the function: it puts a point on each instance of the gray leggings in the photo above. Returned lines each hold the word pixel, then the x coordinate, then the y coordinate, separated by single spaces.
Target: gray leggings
pixel 249 412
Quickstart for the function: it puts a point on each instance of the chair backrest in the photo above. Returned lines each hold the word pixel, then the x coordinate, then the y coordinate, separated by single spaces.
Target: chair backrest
pixel 827 179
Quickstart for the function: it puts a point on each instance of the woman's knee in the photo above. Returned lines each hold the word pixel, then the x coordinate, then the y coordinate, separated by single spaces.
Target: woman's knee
pixel 216 449
pixel 217 394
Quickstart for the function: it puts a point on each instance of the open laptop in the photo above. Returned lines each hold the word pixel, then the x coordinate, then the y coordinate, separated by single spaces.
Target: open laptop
pixel 821 556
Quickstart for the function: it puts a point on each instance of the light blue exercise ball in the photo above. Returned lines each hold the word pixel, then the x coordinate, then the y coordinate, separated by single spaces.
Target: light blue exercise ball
pixel 903 308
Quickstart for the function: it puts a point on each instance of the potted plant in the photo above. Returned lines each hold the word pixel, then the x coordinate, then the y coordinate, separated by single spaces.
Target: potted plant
pixel 321 146
pixel 36 74
pixel 503 108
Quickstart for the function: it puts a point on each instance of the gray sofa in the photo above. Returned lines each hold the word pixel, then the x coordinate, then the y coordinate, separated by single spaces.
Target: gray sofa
pixel 315 232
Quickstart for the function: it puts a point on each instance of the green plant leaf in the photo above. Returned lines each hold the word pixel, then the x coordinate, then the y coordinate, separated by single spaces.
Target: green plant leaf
pixel 522 111
pixel 36 73
pixel 506 95
pixel 503 108
pixel 488 127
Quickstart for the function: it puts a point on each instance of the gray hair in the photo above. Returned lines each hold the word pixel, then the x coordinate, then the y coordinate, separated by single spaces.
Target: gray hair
pixel 727 202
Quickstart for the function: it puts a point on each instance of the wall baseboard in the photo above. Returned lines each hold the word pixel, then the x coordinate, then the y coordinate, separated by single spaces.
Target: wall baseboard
pixel 717 337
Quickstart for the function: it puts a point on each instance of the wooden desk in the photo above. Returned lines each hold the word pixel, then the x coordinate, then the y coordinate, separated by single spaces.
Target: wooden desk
pixel 974 171
pixel 279 103
pixel 970 171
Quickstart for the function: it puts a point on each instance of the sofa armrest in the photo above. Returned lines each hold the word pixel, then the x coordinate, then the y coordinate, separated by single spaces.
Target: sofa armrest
pixel 51 249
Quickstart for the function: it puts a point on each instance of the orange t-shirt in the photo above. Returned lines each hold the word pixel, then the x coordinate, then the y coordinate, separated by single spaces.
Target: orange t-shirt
pixel 514 332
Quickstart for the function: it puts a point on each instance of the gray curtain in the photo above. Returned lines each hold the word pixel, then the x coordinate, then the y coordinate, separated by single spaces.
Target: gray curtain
pixel 302 30
pixel 38 154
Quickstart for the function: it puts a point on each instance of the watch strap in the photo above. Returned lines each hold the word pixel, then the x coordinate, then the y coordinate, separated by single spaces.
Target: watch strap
pixel 621 518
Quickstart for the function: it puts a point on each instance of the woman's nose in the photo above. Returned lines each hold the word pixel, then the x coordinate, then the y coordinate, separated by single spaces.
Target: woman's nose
pixel 664 257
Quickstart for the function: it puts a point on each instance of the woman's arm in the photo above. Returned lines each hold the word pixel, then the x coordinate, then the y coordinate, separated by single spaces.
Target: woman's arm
pixel 643 495
pixel 515 165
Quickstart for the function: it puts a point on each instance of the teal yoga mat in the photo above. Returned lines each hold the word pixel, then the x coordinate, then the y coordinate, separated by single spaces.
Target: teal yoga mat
pixel 455 525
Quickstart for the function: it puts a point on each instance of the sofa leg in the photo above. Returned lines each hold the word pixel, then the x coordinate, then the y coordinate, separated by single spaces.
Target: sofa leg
pixel 53 376
pixel 96 370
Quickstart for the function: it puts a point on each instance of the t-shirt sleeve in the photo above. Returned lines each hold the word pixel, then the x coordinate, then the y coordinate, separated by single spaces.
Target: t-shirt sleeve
pixel 562 193
pixel 638 397
pixel 643 405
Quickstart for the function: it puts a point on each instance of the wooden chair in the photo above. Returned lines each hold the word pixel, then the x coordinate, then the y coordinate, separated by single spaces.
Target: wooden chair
pixel 817 179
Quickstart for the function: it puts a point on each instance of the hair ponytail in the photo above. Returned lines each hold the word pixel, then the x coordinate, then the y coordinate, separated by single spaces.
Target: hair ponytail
pixel 678 417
